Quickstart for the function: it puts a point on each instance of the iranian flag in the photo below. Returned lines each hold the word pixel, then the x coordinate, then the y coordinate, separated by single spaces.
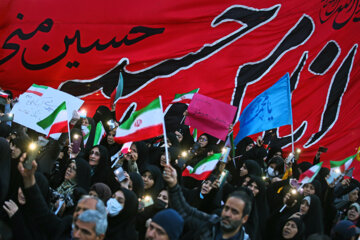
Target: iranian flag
pixel 86 133
pixel 99 133
pixel 310 174
pixel 343 164
pixel 37 89
pixel 185 97
pixel 56 123
pixel 203 169
pixel 3 94
pixel 143 124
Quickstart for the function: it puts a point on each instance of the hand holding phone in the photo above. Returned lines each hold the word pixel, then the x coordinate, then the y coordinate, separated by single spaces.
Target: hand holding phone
pixel 76 143
pixel 7 117
pixel 31 154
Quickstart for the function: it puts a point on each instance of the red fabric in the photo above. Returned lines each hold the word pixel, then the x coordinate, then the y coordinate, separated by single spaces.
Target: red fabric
pixel 142 134
pixel 185 27
pixel 59 127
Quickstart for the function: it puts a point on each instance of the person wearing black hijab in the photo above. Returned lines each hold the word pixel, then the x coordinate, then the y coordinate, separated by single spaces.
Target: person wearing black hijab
pixel 257 185
pixel 312 215
pixel 110 144
pixel 20 218
pixel 121 225
pixel 98 159
pixel 153 181
pixel 292 229
pixel 77 175
pixel 100 190
pixel 136 184
pixel 137 158
pixel 5 168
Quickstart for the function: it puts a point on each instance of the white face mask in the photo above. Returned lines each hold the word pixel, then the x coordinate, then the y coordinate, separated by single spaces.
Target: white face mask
pixel 271 172
pixel 113 207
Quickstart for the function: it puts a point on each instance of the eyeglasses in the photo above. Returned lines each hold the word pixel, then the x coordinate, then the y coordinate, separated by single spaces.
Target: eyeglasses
pixel 202 140
pixel 95 152
pixel 72 169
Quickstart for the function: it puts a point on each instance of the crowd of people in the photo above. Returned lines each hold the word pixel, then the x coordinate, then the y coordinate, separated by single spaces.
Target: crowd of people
pixel 98 192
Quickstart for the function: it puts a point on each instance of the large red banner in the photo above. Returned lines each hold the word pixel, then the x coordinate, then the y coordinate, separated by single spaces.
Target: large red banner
pixel 232 50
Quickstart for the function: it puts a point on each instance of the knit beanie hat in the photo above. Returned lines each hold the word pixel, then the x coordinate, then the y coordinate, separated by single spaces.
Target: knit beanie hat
pixel 171 222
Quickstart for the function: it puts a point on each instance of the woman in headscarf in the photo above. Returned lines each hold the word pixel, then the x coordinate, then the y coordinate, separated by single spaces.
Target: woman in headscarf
pixel 77 175
pixel 311 213
pixel 257 185
pixel 293 229
pixel 20 218
pixel 137 158
pixel 100 190
pixel 98 159
pixel 110 144
pixel 153 181
pixel 136 184
pixel 206 198
pixel 122 209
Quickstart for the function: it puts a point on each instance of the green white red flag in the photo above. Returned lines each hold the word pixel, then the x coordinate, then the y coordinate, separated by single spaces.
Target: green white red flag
pixel 37 89
pixel 3 94
pixel 203 169
pixel 56 123
pixel 185 97
pixel 345 164
pixel 143 124
pixel 309 175
pixel 86 133
pixel 99 133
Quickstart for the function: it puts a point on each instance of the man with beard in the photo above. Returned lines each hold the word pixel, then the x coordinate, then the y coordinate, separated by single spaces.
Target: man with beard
pixel 233 216
pixel 52 226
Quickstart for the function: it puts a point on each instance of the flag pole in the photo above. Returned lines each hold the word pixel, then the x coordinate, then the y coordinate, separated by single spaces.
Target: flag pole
pixel 292 138
pixel 68 125
pixel 164 129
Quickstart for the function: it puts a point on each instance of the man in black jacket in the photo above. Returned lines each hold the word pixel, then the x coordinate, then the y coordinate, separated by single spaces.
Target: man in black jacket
pixel 233 216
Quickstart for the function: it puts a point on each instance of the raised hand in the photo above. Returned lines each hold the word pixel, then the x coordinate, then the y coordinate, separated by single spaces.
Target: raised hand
pixel 170 176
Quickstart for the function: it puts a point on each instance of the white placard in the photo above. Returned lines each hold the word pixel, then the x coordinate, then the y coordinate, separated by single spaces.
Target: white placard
pixel 32 108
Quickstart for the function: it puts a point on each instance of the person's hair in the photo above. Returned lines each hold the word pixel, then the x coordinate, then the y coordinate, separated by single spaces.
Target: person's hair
pixel 100 207
pixel 244 197
pixel 94 216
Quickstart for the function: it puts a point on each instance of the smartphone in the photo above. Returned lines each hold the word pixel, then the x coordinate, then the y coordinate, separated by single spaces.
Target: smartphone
pixel 7 117
pixel 225 154
pixel 119 173
pixel 223 177
pixel 146 202
pixel 31 154
pixel 111 124
pixel 76 143
pixel 323 149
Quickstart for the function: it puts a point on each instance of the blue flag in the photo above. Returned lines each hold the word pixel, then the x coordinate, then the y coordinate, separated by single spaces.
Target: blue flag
pixel 270 109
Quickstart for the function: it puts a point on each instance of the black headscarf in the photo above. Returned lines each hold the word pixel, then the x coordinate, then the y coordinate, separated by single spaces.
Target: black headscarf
pixel 137 184
pixel 143 154
pixel 300 226
pixel 241 146
pixel 313 219
pixel 82 177
pixel 5 166
pixel 102 172
pixel 158 181
pixel 253 168
pixel 122 226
